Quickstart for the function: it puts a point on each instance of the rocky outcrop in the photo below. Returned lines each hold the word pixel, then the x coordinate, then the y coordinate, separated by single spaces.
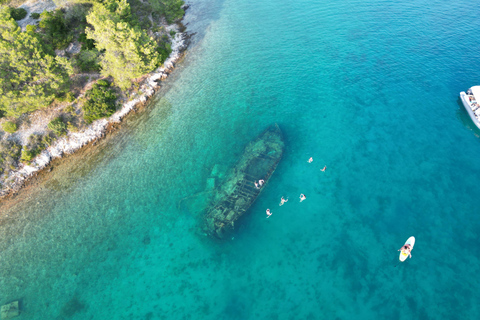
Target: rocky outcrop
pixel 9 311
pixel 76 140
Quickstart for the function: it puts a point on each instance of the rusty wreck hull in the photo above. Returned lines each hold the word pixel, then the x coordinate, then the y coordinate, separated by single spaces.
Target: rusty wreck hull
pixel 238 193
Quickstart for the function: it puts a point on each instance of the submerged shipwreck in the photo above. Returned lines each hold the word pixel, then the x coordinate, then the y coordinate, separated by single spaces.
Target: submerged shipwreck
pixel 237 194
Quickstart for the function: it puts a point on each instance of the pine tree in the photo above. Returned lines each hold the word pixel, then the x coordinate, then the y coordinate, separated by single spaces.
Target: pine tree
pixel 129 51
pixel 30 75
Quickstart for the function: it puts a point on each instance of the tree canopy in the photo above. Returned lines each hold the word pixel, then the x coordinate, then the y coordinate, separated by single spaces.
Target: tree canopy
pixel 30 75
pixel 129 51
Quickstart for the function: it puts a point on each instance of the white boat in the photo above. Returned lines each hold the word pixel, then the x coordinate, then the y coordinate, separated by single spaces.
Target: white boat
pixel 471 102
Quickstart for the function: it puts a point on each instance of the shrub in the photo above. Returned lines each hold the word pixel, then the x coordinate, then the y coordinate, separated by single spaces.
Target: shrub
pixel 9 154
pixel 100 102
pixel 164 49
pixel 89 60
pixel 47 140
pixel 27 155
pixel 172 33
pixel 57 126
pixel 71 127
pixel 9 126
pixel 68 96
pixel 103 83
pixel 55 29
pixel 69 109
pixel 18 13
pixel 31 28
pixel 35 15
pixel 87 44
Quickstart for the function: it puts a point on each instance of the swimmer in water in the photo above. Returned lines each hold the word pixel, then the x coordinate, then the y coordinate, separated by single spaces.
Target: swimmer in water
pixel 302 197
pixel 268 213
pixel 260 182
pixel 310 160
pixel 323 168
pixel 282 201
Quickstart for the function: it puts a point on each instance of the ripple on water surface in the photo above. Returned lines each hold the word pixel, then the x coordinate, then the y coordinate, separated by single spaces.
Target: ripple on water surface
pixel 368 88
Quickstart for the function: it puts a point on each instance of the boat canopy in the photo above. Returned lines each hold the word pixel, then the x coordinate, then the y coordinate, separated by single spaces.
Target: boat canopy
pixel 476 92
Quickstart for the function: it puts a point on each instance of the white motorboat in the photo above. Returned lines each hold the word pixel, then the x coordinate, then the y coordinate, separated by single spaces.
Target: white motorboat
pixel 471 102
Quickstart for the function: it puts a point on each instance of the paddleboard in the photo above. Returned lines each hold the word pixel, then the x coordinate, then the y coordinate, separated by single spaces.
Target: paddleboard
pixel 411 242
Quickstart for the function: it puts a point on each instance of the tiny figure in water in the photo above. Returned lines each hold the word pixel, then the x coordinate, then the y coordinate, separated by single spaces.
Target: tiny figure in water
pixel 268 213
pixel 406 249
pixel 260 182
pixel 302 197
pixel 323 169
pixel 282 201
pixel 310 160
pixel 256 185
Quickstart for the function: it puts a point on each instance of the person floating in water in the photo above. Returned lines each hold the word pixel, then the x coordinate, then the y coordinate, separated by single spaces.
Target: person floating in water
pixel 310 160
pixel 282 201
pixel 324 168
pixel 268 213
pixel 261 182
pixel 256 185
pixel 407 248
pixel 302 197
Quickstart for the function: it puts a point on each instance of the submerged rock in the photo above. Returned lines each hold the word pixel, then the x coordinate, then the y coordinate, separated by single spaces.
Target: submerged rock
pixel 237 194
pixel 10 310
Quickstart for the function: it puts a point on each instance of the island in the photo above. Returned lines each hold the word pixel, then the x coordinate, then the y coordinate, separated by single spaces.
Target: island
pixel 70 69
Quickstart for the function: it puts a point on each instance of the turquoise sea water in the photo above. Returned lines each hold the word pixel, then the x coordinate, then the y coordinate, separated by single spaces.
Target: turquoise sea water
pixel 368 88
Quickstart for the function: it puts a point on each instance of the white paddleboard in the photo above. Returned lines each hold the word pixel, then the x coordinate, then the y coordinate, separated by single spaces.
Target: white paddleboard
pixel 411 242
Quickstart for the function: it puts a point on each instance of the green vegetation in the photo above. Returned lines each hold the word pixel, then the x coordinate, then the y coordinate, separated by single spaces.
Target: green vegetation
pixel 9 155
pixel 67 96
pixel 54 28
pixel 69 109
pixel 27 155
pixel 100 102
pixel 30 74
pixel 18 13
pixel 71 127
pixel 47 140
pixel 164 49
pixel 31 28
pixel 33 148
pixel 9 126
pixel 89 60
pixel 57 126
pixel 171 9
pixel 129 51
pixel 87 44
pixel 118 40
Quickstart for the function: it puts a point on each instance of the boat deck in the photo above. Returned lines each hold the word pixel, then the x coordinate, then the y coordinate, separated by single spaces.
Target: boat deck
pixel 471 104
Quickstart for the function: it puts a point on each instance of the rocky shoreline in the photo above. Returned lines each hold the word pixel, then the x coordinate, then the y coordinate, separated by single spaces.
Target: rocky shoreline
pixel 73 141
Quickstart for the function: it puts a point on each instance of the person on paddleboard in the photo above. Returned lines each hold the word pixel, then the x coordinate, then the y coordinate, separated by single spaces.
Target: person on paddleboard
pixel 406 249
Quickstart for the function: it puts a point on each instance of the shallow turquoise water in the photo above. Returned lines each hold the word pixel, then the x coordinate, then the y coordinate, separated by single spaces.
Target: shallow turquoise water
pixel 368 88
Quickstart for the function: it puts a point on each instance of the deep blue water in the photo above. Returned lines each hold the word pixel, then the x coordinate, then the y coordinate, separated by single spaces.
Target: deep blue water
pixel 368 88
